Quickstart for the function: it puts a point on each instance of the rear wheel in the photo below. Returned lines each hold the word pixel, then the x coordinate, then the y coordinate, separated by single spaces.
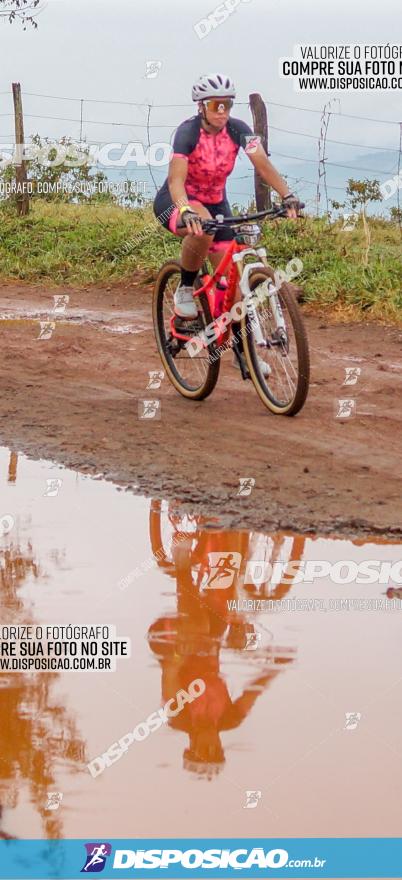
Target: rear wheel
pixel 284 348
pixel 194 377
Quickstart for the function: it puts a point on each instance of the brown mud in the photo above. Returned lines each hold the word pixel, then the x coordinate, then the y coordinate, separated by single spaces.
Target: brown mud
pixel 75 398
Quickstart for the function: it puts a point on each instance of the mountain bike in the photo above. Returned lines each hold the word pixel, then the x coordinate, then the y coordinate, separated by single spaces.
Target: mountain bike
pixel 271 324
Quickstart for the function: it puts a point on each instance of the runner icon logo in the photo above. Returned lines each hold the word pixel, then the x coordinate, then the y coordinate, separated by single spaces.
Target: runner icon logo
pixel 53 486
pixel 246 485
pixel 223 568
pixel 46 329
pixel 60 303
pixel 352 720
pixel 97 854
pixel 253 640
pixel 352 375
pixel 252 143
pixel 149 409
pixel 152 69
pixel 252 800
pixel 54 799
pixel 155 378
pixel 345 408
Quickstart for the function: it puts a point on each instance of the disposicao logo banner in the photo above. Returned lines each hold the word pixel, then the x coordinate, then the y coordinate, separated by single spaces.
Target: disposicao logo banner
pixel 185 858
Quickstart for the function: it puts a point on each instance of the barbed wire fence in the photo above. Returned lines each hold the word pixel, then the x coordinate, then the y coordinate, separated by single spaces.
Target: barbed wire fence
pixel 322 146
pixel 144 132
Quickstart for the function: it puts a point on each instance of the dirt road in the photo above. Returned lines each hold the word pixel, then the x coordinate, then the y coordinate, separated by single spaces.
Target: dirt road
pixel 74 398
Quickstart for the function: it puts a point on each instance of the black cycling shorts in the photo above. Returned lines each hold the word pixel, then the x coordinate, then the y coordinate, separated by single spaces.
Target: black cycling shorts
pixel 168 215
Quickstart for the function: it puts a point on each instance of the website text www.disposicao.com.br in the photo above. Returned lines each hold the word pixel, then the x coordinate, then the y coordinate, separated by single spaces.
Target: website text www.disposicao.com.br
pixel 240 859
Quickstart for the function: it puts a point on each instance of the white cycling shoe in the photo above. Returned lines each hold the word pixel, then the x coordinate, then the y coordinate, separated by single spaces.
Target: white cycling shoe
pixel 264 367
pixel 184 303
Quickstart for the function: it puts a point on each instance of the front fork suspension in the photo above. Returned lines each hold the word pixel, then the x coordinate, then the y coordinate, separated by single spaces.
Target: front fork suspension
pixel 270 292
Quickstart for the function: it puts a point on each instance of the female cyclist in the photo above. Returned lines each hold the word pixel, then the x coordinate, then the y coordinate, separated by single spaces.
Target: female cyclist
pixel 204 153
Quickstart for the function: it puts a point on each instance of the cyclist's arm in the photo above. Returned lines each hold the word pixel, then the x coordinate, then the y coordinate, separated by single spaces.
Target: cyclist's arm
pixel 270 175
pixel 176 182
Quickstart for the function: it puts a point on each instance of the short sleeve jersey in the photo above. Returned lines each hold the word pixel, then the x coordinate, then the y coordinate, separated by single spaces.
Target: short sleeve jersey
pixel 211 157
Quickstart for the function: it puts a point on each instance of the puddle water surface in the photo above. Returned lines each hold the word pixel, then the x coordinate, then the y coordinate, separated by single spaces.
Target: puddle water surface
pixel 113 322
pixel 268 750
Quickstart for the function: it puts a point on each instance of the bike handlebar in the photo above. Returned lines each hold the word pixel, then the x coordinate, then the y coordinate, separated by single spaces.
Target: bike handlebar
pixel 240 219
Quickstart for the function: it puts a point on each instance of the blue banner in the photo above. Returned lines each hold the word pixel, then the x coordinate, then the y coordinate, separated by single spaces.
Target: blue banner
pixel 185 858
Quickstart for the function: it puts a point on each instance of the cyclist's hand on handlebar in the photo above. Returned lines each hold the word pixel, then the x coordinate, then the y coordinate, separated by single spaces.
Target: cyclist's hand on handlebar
pixel 292 205
pixel 192 222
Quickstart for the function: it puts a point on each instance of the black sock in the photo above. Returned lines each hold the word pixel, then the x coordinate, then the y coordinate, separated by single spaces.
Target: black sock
pixel 236 330
pixel 187 277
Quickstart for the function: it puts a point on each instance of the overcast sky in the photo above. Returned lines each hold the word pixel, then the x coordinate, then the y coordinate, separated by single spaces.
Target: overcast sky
pixel 96 49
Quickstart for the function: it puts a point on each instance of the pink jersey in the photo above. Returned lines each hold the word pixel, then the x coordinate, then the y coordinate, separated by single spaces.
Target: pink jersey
pixel 211 157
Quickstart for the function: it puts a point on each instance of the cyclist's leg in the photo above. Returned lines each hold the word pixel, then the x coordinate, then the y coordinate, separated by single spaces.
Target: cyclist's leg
pixel 195 247
pixel 215 254
pixel 193 253
pixel 194 250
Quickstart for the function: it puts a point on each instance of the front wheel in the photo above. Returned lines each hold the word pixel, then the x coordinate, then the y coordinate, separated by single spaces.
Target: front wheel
pixel 194 377
pixel 275 340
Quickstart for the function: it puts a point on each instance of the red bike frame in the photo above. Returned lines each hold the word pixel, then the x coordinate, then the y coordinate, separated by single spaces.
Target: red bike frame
pixel 208 287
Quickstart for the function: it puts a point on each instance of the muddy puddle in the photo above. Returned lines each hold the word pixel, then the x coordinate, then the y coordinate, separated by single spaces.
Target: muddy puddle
pixel 117 321
pixel 297 732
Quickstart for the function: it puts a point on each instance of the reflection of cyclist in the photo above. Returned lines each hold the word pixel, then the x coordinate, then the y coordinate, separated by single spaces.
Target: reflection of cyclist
pixel 204 153
pixel 188 646
pixel 285 584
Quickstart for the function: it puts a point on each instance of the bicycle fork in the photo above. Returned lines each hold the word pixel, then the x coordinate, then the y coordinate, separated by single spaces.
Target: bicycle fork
pixel 267 290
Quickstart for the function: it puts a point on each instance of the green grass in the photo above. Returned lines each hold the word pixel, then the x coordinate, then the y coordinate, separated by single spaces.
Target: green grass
pixel 89 244
pixel 334 274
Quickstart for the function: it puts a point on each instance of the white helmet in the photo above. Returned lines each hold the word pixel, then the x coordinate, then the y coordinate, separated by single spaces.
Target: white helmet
pixel 213 85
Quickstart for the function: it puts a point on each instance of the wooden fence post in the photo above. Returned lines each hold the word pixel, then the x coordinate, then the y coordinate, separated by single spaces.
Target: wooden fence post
pixel 20 168
pixel 260 125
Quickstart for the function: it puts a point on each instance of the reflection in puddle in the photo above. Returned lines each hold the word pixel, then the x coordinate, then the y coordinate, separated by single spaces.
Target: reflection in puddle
pixel 190 643
pixel 36 732
pixel 281 686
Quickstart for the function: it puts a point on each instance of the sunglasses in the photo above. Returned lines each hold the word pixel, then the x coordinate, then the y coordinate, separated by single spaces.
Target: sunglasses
pixel 219 105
